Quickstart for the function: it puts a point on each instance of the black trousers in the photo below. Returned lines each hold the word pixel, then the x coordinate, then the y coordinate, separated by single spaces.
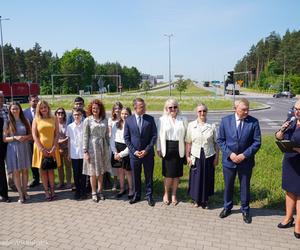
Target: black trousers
pixel 79 178
pixel 3 181
pixel 35 171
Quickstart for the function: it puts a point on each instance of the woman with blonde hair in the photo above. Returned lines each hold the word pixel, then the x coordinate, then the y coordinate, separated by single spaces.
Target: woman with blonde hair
pixel 45 130
pixel 171 130
pixel 17 133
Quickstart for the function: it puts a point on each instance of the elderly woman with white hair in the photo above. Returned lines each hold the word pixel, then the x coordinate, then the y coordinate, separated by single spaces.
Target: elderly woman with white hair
pixel 202 155
pixel 171 129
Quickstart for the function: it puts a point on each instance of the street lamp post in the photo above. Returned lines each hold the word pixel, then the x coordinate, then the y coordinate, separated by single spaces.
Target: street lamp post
pixel 169 37
pixel 3 67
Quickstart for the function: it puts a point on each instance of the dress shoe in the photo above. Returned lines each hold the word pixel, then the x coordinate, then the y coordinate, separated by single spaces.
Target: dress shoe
pixel 77 196
pixel 247 218
pixel 287 225
pixel 130 196
pixel 151 202
pixel 134 200
pixel 225 212
pixel 297 235
pixel 5 199
pixel 204 205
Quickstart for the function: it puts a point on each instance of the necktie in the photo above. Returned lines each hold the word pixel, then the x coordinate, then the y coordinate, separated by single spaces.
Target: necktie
pixel 140 123
pixel 239 129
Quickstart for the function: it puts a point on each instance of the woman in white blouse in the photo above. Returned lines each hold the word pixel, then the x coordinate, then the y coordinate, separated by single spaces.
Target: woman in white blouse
pixel 202 156
pixel 171 129
pixel 121 154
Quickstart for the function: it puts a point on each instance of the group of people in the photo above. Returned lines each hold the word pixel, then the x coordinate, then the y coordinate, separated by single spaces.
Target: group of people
pixel 125 143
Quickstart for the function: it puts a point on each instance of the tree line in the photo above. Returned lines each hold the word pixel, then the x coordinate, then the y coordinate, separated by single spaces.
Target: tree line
pixel 75 70
pixel 273 62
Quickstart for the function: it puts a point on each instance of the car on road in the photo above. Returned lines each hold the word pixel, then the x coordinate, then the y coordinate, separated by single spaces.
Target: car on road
pixel 286 94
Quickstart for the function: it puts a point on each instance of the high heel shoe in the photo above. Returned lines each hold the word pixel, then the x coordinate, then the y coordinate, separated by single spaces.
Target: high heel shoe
pixel 52 194
pixel 119 195
pixel 297 235
pixel 47 196
pixel 287 225
pixel 95 197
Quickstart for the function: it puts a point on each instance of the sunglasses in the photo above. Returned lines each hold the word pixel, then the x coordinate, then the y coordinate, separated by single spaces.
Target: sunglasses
pixel 173 107
pixel 202 111
pixel 60 113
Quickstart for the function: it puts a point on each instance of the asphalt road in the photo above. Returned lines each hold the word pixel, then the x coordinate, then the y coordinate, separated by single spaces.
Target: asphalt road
pixel 270 119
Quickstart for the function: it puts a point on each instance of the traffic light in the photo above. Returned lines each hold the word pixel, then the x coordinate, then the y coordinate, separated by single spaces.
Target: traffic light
pixel 230 77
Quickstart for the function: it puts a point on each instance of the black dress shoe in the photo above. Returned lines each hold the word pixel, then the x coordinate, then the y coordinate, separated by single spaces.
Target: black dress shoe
pixel 151 202
pixel 297 235
pixel 130 196
pixel 5 199
pixel 287 225
pixel 225 212
pixel 134 200
pixel 247 218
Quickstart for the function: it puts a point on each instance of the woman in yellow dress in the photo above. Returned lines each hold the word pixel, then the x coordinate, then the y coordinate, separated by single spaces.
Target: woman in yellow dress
pixel 45 135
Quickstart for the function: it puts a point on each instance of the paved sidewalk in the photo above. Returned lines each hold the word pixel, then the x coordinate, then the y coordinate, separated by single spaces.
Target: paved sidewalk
pixel 115 224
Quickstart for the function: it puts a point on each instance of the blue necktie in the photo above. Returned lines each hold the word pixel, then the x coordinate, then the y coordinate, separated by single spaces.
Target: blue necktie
pixel 239 129
pixel 140 124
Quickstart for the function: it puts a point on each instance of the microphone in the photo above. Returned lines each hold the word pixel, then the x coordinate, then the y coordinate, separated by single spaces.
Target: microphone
pixel 289 124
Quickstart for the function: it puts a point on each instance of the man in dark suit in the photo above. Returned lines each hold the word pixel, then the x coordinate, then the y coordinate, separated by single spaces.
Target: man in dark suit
pixel 140 135
pixel 29 113
pixel 239 139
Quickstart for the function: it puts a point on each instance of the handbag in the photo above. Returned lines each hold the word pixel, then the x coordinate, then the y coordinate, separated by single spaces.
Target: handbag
pixel 48 163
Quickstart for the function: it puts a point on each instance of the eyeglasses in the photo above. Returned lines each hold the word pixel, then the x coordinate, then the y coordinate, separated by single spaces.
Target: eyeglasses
pixel 200 111
pixel 60 113
pixel 173 107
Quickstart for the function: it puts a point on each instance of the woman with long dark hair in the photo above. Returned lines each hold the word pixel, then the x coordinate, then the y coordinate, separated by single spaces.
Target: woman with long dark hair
pixel 61 116
pixel 115 117
pixel 17 134
pixel 120 152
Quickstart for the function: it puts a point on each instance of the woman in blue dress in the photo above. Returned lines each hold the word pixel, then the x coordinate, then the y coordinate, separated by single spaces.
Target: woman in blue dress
pixel 17 134
pixel 291 172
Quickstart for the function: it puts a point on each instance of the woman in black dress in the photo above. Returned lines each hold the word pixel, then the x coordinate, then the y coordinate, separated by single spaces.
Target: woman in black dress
pixel 291 172
pixel 171 129
pixel 202 156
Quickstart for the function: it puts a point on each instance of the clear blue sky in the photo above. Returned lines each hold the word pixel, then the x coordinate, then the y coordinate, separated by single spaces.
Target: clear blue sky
pixel 209 36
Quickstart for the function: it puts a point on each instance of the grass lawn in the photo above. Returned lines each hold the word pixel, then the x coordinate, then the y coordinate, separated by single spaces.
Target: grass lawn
pixel 154 102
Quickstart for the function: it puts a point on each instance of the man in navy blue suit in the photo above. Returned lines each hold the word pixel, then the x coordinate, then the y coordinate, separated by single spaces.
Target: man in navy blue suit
pixel 29 114
pixel 239 139
pixel 140 135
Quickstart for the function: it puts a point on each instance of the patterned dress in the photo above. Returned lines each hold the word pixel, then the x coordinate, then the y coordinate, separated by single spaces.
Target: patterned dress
pixel 18 155
pixel 96 143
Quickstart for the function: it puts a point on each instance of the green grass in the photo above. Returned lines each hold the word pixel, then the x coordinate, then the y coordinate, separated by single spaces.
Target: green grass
pixel 154 103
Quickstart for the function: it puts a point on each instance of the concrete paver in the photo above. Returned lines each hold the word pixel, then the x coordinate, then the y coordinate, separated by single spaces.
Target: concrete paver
pixel 115 224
